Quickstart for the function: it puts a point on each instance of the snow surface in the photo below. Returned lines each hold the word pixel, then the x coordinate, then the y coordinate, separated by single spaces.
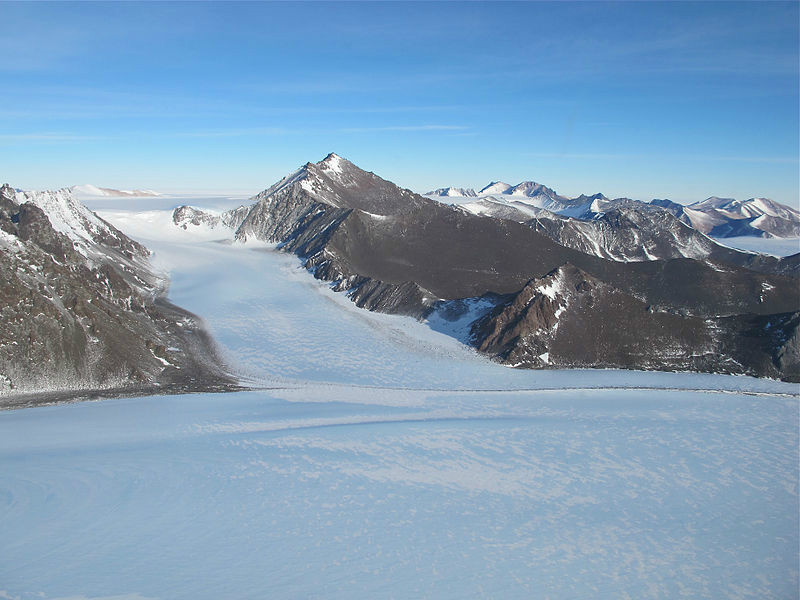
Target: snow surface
pixel 383 459
pixel 495 187
pixel 332 164
pixel 773 246
pixel 66 215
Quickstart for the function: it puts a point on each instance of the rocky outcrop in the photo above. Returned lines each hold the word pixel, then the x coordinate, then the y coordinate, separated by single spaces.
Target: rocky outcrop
pixel 570 319
pixel 81 309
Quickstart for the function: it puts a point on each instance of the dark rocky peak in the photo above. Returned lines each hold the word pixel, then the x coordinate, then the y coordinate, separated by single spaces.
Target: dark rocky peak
pixel 669 205
pixel 584 198
pixel 184 216
pixel 337 182
pixel 522 330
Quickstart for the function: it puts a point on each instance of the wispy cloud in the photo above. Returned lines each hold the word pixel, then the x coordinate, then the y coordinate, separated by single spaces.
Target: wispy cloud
pixel 50 137
pixel 280 131
pixel 693 157
pixel 754 159
pixel 403 128
pixel 576 156
pixel 224 133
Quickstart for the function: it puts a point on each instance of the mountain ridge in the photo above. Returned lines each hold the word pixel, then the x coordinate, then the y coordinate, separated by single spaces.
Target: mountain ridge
pixel 714 216
pixel 83 309
pixel 394 251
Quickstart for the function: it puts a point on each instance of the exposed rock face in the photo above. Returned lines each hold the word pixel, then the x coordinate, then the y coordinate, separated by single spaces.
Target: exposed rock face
pixel 81 308
pixel 394 251
pixel 633 232
pixel 188 216
pixel 628 234
pixel 570 319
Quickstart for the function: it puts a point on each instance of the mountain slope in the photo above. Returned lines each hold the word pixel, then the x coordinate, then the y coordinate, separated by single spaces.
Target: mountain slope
pixel 83 310
pixel 570 319
pixel 727 217
pixel 633 232
pixel 495 187
pixel 395 251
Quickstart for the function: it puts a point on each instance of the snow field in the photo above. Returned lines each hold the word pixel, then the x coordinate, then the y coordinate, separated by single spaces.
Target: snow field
pixel 384 459
pixel 319 492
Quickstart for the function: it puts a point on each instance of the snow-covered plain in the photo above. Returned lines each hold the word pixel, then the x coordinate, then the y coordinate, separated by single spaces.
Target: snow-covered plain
pixel 383 459
pixel 773 246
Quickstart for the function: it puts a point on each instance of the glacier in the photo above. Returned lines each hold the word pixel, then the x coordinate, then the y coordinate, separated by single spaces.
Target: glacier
pixel 379 457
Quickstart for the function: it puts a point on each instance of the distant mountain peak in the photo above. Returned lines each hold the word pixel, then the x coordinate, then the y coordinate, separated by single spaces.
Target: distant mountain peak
pixel 453 192
pixel 87 189
pixel 727 217
pixel 495 187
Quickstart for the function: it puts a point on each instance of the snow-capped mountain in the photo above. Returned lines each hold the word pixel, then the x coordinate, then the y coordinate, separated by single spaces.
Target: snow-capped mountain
pixel 495 187
pixel 82 307
pixel 633 232
pixel 90 235
pixel 89 190
pixel 395 251
pixel 715 217
pixel 531 189
pixel 530 198
pixel 453 192
pixel 727 217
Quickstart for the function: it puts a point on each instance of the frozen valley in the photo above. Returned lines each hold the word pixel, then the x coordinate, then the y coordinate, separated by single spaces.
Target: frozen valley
pixel 381 458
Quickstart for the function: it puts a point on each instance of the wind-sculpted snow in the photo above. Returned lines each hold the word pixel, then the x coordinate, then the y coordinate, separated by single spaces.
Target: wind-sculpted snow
pixel 343 492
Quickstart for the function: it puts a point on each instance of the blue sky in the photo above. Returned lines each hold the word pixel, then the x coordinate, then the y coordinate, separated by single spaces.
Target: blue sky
pixel 677 100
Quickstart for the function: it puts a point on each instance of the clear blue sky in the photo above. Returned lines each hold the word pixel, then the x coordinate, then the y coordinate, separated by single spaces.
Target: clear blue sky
pixel 677 100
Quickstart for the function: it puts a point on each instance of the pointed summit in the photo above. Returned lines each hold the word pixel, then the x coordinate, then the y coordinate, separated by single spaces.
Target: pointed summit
pixel 333 164
pixel 310 191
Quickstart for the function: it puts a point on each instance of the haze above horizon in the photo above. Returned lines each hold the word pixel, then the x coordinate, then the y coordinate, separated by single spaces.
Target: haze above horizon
pixel 646 100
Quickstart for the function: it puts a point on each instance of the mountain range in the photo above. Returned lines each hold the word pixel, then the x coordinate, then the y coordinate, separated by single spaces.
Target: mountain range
pixel 634 286
pixel 630 303
pixel 716 217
